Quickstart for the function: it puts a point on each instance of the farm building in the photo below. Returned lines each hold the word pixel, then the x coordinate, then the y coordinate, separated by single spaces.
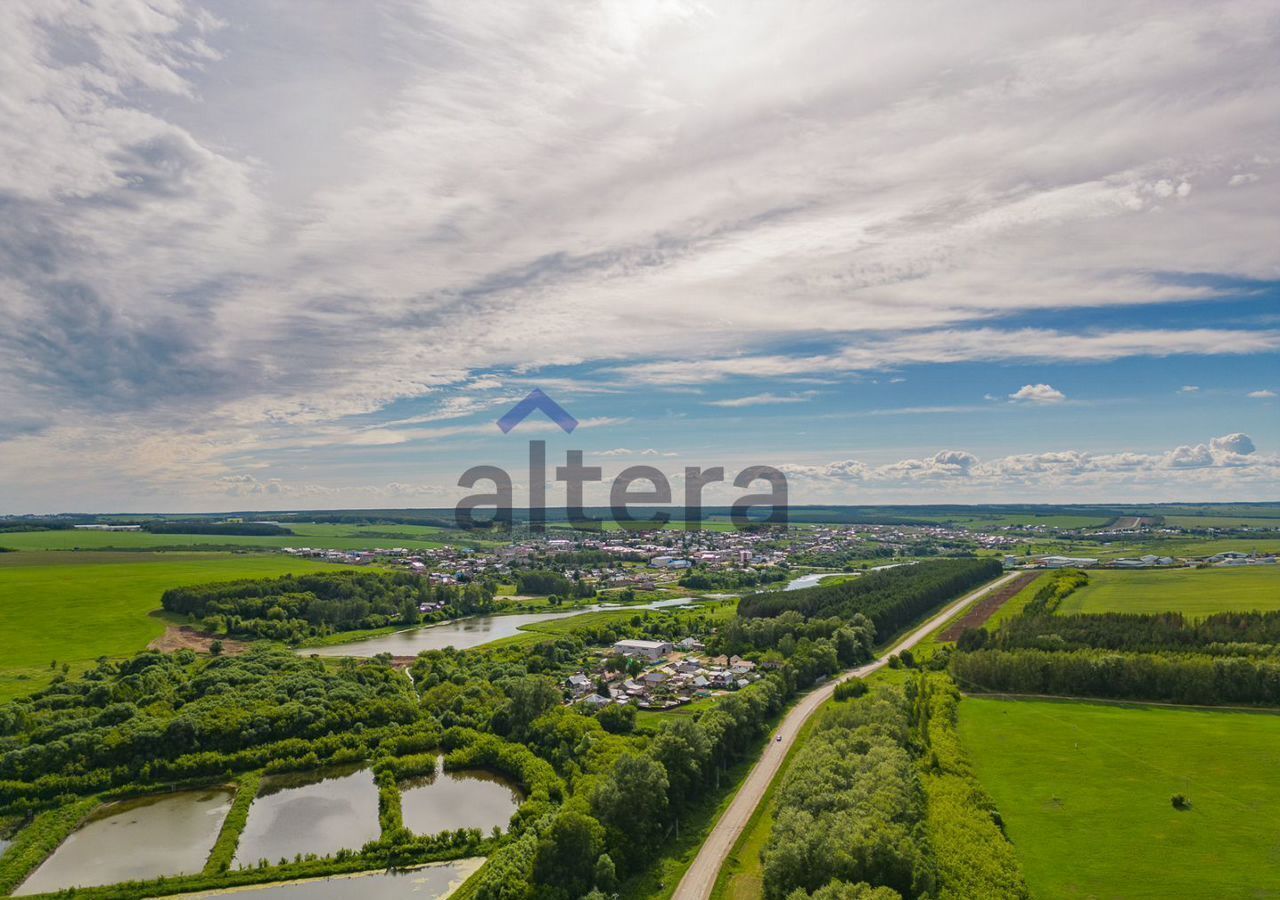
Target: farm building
pixel 650 650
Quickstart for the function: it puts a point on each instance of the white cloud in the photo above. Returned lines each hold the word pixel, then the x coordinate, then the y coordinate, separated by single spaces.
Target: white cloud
pixel 765 399
pixel 1262 395
pixel 1228 458
pixel 967 345
pixel 1234 443
pixel 1188 389
pixel 1038 393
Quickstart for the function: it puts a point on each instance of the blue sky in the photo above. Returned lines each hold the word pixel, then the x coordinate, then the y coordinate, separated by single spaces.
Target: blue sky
pixel 304 255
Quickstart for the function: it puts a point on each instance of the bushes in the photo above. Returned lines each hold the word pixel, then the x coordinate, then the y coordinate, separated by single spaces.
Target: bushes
pixel 1054 591
pixel 1184 678
pixel 473 750
pixel 507 874
pixel 973 857
pixel 403 767
pixel 224 849
pixel 850 690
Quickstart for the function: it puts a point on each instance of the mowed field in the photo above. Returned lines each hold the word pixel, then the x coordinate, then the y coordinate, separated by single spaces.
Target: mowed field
pixel 1194 592
pixel 1084 790
pixel 75 607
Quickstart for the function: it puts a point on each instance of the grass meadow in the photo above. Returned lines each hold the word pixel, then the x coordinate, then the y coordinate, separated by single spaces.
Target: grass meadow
pixel 1085 792
pixel 325 537
pixel 1193 592
pixel 75 607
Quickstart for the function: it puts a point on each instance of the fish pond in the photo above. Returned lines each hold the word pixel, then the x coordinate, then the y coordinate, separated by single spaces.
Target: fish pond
pixel 136 839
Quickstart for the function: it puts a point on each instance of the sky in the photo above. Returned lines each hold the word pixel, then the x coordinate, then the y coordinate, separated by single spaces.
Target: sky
pixel 271 254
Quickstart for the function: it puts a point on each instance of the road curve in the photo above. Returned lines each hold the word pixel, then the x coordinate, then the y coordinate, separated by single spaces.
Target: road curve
pixel 701 876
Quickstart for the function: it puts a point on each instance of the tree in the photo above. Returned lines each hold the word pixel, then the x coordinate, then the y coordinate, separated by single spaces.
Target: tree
pixel 684 751
pixel 631 802
pixel 618 718
pixel 567 854
pixel 215 648
pixel 530 696
pixel 606 874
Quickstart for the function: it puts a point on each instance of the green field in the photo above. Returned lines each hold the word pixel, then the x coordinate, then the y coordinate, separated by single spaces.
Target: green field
pixel 97 604
pixel 1221 522
pixel 1084 790
pixel 1195 592
pixel 326 537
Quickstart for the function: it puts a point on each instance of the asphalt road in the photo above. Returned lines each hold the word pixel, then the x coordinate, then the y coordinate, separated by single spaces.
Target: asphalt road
pixel 701 876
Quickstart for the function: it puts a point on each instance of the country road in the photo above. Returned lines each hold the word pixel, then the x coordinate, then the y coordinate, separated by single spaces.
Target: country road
pixel 701 876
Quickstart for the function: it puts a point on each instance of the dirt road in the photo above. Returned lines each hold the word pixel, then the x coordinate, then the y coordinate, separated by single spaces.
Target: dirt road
pixel 701 876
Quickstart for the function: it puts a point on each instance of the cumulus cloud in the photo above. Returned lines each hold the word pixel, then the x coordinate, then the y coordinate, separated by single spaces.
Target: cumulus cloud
pixel 1262 395
pixel 1233 443
pixel 1225 454
pixel 1038 393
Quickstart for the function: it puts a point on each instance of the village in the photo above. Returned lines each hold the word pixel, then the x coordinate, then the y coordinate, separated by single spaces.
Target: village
pixel 658 675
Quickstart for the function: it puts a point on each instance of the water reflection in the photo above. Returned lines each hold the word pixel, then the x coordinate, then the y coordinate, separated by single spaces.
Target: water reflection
pixel 170 834
pixel 462 634
pixel 431 882
pixel 465 799
pixel 320 813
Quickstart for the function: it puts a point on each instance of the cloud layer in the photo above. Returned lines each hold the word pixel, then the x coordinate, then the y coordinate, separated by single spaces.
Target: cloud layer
pixel 211 247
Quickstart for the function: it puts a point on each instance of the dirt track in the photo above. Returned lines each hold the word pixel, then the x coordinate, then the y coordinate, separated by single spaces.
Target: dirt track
pixel 701 876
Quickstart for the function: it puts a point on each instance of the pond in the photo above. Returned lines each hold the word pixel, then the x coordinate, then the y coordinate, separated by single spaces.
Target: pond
pixel 319 812
pixel 170 834
pixel 468 798
pixel 462 634
pixel 429 882
pixel 808 581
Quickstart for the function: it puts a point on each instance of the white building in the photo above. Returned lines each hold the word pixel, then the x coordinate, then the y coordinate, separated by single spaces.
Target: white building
pixel 650 650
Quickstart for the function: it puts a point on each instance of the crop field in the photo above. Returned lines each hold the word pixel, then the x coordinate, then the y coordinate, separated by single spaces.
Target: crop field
pixel 1194 592
pixel 1085 793
pixel 1186 547
pixel 83 606
pixel 1222 522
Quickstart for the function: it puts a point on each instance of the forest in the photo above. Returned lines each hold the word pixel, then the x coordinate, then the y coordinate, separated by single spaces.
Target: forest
pixel 881 802
pixel 295 607
pixel 890 598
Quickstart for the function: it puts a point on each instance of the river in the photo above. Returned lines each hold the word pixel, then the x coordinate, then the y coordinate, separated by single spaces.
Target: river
pixel 463 634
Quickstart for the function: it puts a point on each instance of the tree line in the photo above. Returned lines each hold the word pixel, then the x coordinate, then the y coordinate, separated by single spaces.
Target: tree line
pixel 890 598
pixel 1168 677
pixel 1222 632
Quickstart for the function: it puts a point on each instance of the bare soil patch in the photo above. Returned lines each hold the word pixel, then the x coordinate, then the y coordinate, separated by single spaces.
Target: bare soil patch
pixel 986 607
pixel 184 637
